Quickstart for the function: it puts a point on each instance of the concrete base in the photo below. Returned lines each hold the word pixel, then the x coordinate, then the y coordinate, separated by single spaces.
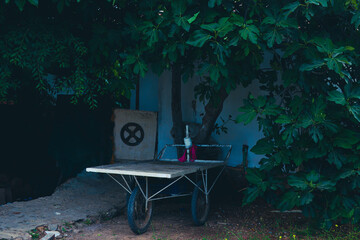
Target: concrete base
pixel 88 194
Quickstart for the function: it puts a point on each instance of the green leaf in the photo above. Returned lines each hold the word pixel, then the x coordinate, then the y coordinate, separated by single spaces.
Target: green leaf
pixel 248 115
pixel 154 37
pixel 355 183
pixel 246 118
pixel 346 139
pixel 271 110
pixel 198 38
pixel 337 97
pixel 272 37
pixel 280 158
pixel 309 67
pixel 34 2
pixel 179 7
pixel 211 3
pixel 20 4
pixel 263 146
pixel 140 68
pixel 290 8
pixel 336 159
pixel 305 120
pixel 354 93
pixel 283 119
pixel 237 20
pixel 250 32
pixel 318 2
pixel 355 111
pixel 291 49
pixel 193 18
pixel 288 201
pixel 356 19
pixel 259 102
pixel 130 59
pixel 60 6
pixel 306 198
pixel 349 48
pixel 224 27
pixel 297 182
pixel 345 174
pixel 214 73
pixel 334 64
pixel 315 152
pixel 324 45
pixel 251 194
pixel 212 27
pixel 183 22
pixel 253 175
pixel 221 52
pixel 288 135
pixel 234 41
pixel 326 185
pixel 313 176
pixel 298 158
pixel 269 20
pixel 316 134
pixel 349 203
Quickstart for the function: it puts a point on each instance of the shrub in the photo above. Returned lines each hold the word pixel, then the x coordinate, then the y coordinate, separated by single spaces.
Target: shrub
pixel 310 116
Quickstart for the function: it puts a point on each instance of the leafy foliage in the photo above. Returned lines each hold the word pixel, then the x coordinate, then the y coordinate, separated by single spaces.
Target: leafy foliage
pixel 38 41
pixel 310 113
pixel 122 40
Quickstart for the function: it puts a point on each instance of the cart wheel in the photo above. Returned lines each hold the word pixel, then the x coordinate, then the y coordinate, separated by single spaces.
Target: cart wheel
pixel 199 207
pixel 139 218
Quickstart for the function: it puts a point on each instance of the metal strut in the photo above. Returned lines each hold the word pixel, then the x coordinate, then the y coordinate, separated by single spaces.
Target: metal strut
pixel 125 188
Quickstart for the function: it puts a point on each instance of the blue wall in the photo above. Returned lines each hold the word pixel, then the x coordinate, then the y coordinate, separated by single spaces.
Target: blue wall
pixel 155 95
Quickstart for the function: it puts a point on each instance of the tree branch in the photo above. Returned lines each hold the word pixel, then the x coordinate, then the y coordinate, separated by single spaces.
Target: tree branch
pixel 176 112
pixel 212 111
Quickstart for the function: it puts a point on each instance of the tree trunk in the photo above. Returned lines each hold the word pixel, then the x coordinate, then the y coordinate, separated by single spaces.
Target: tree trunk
pixel 212 111
pixel 177 130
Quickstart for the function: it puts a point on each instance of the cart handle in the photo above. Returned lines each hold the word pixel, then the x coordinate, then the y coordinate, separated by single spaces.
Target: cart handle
pixel 162 152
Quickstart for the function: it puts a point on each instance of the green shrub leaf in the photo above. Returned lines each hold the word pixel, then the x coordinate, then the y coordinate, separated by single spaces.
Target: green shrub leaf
pixel 263 146
pixel 297 182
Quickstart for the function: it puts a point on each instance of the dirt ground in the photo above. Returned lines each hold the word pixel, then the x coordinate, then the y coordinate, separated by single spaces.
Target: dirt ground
pixel 86 195
pixel 172 220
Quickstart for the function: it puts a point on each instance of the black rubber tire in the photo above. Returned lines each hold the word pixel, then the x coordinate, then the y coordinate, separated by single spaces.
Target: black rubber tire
pixel 199 207
pixel 139 219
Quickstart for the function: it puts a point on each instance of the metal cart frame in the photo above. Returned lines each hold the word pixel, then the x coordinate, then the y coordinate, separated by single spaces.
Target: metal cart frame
pixel 164 168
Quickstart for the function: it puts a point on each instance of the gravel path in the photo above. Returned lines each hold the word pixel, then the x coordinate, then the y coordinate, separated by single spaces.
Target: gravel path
pixel 86 195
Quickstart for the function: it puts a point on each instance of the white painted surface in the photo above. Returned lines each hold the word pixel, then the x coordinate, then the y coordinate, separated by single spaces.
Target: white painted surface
pixel 146 140
pixel 159 169
pixel 160 100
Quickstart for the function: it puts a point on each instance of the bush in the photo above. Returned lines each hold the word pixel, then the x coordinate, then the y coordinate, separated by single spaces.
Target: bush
pixel 310 118
pixel 311 149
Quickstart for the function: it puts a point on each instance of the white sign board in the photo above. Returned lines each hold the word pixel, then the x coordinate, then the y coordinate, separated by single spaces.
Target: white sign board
pixel 134 134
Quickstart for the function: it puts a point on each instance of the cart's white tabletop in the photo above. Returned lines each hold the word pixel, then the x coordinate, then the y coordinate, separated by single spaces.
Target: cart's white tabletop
pixel 159 169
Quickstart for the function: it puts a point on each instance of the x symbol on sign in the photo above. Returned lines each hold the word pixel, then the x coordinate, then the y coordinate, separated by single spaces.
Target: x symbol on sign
pixel 132 134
